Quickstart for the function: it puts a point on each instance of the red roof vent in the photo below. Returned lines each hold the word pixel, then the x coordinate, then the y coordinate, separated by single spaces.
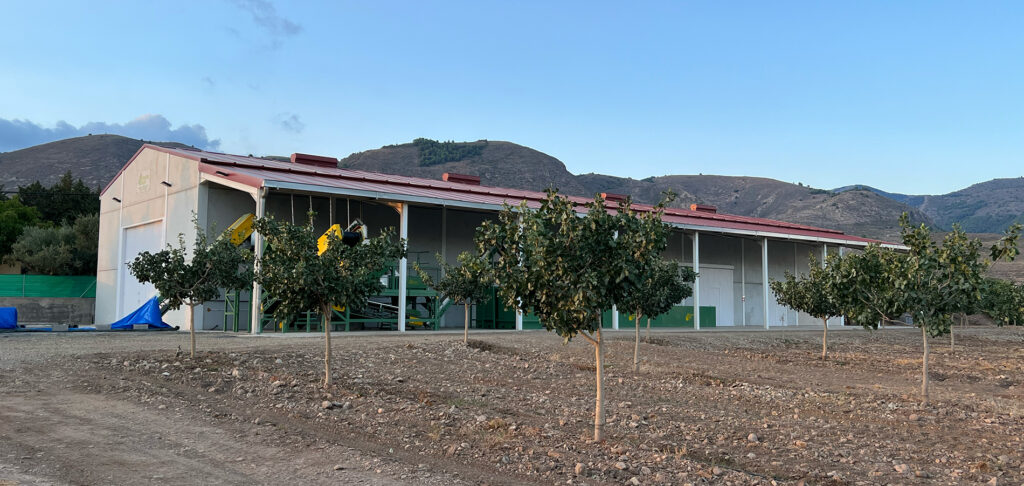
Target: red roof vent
pixel 703 208
pixel 471 180
pixel 314 160
pixel 608 196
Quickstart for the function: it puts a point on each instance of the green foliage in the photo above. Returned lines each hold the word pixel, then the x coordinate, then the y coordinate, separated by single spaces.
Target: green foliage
pixel 667 284
pixel 563 268
pixel 63 201
pixel 930 281
pixel 302 280
pixel 934 281
pixel 654 285
pixel 14 218
pixel 86 229
pixel 468 282
pixel 1003 301
pixel 862 285
pixel 812 293
pixel 433 152
pixel 68 249
pixel 184 277
pixel 46 250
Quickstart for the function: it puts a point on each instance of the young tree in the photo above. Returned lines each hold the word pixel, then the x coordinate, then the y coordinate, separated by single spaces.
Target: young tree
pixel 467 283
pixel 930 282
pixel 661 286
pixel 564 268
pixel 1003 301
pixel 813 294
pixel 190 277
pixel 863 287
pixel 302 279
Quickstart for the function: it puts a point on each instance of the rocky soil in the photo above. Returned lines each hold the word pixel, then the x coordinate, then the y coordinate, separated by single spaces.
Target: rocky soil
pixel 517 408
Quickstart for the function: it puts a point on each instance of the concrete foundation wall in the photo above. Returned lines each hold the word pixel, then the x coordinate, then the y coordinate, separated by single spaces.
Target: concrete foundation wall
pixel 52 310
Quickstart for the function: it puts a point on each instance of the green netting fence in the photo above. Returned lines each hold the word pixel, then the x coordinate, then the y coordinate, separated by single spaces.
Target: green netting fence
pixel 47 286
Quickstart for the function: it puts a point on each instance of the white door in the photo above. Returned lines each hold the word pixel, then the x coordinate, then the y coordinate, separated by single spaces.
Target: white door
pixel 147 237
pixel 716 286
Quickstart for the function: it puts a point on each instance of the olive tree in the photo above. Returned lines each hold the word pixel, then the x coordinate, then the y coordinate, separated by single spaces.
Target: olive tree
pixel 302 279
pixel 563 267
pixel 813 293
pixel 192 276
pixel 467 283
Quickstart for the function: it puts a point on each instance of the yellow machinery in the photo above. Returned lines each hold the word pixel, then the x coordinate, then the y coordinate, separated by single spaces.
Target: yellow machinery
pixel 356 232
pixel 241 229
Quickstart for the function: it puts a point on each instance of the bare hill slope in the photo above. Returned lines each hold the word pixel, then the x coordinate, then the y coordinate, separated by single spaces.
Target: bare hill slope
pixel 95 159
pixel 501 164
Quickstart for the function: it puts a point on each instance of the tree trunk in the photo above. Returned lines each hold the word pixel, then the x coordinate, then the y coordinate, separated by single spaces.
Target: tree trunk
pixel 636 345
pixel 648 329
pixel 327 346
pixel 952 339
pixel 924 370
pixel 599 405
pixel 824 340
pixel 465 332
pixel 190 318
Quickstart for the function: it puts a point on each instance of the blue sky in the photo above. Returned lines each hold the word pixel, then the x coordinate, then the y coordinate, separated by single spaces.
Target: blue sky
pixel 913 97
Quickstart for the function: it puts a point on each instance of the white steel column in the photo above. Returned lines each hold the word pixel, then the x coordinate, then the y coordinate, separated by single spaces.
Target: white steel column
pixel 519 320
pixel 256 299
pixel 403 272
pixel 615 317
pixel 743 281
pixel 842 319
pixel 696 281
pixel 764 278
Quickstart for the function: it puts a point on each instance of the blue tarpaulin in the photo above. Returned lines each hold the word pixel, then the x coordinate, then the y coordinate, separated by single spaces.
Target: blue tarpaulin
pixel 8 318
pixel 149 313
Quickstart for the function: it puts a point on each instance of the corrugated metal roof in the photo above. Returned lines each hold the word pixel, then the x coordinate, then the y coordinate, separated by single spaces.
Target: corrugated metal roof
pixel 258 172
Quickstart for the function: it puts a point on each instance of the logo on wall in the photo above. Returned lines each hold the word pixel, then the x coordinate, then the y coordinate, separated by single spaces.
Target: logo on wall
pixel 144 181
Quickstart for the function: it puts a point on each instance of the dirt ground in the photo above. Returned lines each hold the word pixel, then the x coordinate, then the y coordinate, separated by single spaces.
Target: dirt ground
pixel 511 408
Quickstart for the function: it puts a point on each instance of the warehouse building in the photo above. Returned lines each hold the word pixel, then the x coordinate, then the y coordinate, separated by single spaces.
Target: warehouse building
pixel 155 197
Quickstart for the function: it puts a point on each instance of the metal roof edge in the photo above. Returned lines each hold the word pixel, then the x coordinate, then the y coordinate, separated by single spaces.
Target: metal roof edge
pixel 495 207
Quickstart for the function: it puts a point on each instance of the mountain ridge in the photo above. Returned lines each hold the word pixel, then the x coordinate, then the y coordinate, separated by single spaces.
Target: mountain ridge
pixel 860 210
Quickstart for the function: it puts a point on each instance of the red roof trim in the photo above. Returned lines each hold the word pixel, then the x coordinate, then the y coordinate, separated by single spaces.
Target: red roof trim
pixel 213 169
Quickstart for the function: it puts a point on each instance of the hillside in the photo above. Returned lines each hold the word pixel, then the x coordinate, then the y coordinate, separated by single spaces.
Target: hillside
pixel 855 212
pixel 509 165
pixel 986 207
pixel 95 159
pixel 861 210
pixel 502 164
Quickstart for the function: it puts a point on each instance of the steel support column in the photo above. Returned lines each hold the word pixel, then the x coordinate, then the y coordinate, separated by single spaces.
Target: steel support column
pixel 403 271
pixel 696 281
pixel 256 299
pixel 764 278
